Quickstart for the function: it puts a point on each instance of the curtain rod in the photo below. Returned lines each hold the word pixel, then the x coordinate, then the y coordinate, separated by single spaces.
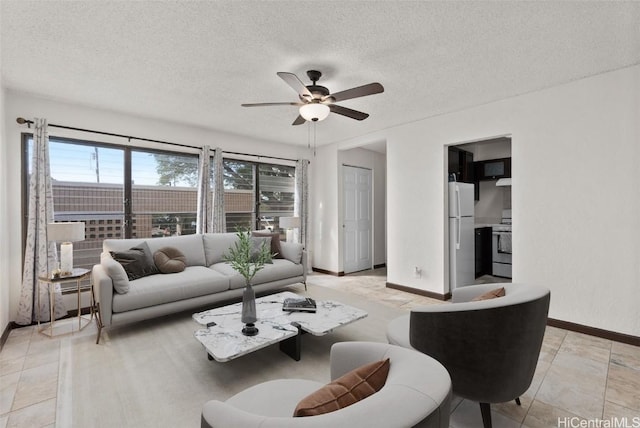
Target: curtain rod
pixel 23 121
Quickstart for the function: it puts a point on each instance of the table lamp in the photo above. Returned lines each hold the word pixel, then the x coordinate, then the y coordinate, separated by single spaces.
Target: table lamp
pixel 289 223
pixel 66 233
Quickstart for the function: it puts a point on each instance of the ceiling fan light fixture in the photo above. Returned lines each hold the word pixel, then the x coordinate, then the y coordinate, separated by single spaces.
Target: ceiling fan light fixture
pixel 314 111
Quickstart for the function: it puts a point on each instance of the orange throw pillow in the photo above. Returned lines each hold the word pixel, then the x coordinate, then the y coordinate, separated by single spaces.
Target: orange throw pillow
pixel 498 292
pixel 348 389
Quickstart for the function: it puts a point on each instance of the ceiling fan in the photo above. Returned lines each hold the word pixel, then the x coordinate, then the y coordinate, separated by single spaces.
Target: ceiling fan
pixel 316 102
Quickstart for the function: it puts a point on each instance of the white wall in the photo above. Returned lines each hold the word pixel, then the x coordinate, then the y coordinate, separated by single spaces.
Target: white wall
pixel 27 106
pixel 376 162
pixel 323 211
pixel 5 225
pixel 576 203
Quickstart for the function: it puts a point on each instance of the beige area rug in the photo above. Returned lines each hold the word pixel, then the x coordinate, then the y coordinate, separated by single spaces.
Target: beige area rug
pixel 155 373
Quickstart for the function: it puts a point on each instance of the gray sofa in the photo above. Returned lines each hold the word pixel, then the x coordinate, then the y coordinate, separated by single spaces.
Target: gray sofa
pixel 206 280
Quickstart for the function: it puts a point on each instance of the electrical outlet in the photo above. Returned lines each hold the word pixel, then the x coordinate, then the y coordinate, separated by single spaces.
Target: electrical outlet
pixel 417 272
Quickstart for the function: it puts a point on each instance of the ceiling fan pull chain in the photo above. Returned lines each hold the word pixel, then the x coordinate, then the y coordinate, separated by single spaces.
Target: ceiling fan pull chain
pixel 315 139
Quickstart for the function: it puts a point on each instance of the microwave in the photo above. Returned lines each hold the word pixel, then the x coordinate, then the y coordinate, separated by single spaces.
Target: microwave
pixel 493 169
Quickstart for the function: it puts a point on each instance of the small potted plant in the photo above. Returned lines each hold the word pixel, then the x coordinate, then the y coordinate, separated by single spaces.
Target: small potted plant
pixel 248 257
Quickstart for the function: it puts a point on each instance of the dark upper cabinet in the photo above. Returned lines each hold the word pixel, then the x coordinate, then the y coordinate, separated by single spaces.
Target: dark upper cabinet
pixel 461 164
pixel 493 169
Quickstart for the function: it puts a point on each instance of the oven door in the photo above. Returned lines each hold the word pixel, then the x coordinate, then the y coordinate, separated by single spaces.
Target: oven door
pixel 500 256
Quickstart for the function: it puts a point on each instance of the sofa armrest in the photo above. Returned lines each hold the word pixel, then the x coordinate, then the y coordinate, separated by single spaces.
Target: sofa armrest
pixel 218 414
pixel 103 289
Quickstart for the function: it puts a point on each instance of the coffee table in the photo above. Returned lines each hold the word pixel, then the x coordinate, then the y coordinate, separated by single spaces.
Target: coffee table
pixel 224 341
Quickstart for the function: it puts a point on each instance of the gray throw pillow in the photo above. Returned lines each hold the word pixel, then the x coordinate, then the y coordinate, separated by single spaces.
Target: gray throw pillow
pixel 256 245
pixel 292 251
pixel 137 261
pixel 276 251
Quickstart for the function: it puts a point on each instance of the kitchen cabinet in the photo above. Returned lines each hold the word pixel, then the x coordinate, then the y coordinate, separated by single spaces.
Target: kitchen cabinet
pixel 461 165
pixel 493 169
pixel 483 251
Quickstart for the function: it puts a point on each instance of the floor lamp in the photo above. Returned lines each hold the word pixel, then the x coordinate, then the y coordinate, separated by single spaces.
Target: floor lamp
pixel 66 233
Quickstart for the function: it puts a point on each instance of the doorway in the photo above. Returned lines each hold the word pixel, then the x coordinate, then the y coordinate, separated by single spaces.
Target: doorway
pixel 357 218
pixel 484 166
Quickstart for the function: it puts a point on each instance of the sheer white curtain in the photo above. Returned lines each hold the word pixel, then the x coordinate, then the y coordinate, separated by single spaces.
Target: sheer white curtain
pixel 204 219
pixel 40 255
pixel 301 202
pixel 219 221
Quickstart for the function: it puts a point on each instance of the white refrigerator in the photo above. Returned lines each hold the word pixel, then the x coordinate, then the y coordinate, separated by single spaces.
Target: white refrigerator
pixel 461 235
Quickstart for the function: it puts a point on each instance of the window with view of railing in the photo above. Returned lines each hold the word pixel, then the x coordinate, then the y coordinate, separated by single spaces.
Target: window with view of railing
pixel 155 196
pixel 257 194
pixel 164 195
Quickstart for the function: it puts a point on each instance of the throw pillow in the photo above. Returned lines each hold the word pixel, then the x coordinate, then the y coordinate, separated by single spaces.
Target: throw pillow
pixel 116 272
pixel 498 292
pixel 276 251
pixel 348 389
pixel 256 246
pixel 169 260
pixel 137 261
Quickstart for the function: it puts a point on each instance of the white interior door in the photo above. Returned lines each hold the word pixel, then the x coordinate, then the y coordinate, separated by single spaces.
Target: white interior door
pixel 357 218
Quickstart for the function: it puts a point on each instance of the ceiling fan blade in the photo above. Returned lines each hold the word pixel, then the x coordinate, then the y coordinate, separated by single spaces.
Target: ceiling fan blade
pixel 360 91
pixel 353 114
pixel 270 104
pixel 297 85
pixel 299 120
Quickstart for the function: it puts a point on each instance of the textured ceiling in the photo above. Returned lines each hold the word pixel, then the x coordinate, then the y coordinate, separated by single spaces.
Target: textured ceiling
pixel 196 62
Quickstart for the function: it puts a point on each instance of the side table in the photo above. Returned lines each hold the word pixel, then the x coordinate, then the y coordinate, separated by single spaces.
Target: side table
pixel 78 276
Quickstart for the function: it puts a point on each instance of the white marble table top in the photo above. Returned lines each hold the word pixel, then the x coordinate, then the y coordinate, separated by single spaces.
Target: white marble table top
pixel 224 340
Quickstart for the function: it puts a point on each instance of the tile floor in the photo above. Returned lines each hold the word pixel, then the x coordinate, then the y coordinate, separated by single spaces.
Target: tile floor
pixel 580 379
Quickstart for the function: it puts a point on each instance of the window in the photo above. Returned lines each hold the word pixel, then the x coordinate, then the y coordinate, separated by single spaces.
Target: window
pixel 89 185
pixel 125 192
pixel 257 194
pixel 276 192
pixel 164 194
pixel 239 194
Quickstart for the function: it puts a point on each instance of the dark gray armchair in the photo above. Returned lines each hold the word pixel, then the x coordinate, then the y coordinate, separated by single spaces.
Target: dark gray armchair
pixel 489 347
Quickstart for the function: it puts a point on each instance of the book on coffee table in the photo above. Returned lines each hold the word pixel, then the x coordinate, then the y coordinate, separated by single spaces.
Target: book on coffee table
pixel 301 304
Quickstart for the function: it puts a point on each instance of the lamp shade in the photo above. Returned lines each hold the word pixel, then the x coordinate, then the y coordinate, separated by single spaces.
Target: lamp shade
pixel 65 231
pixel 289 222
pixel 314 111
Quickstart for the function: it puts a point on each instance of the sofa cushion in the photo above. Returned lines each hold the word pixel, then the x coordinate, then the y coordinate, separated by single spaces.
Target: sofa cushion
pixel 280 269
pixel 137 261
pixel 157 289
pixel 169 260
pixel 348 389
pixel 275 242
pixel 116 272
pixel 256 247
pixel 216 245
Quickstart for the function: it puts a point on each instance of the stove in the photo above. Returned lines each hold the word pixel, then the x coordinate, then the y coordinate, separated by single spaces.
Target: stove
pixel 501 246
